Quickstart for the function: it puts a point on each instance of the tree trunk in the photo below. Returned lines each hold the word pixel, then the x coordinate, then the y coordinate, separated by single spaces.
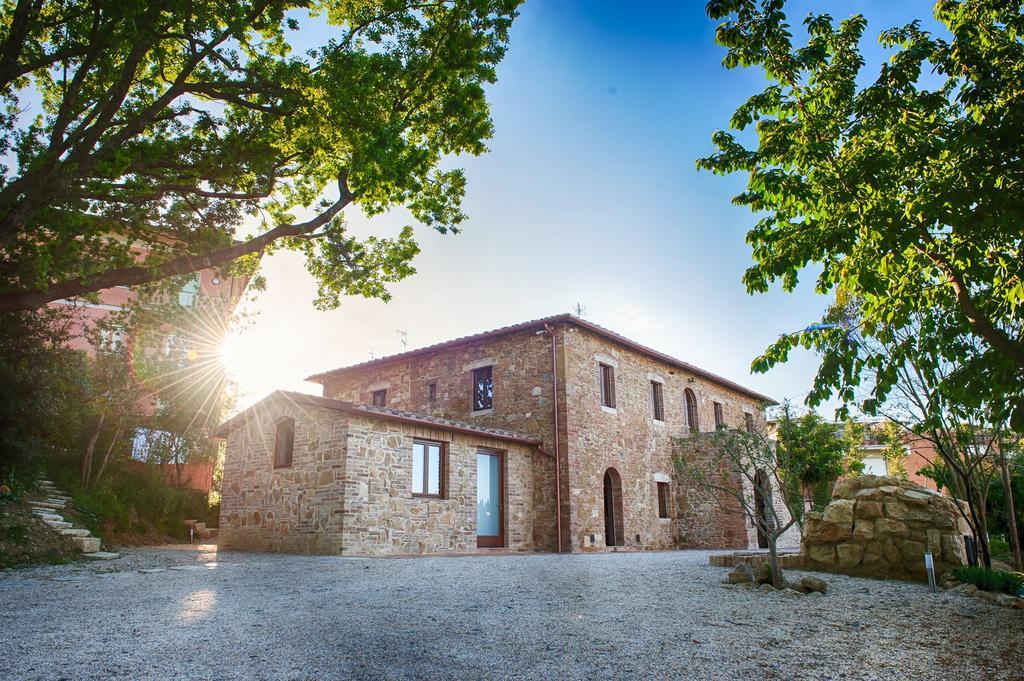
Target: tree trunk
pixel 106 457
pixel 87 457
pixel 773 560
pixel 979 526
pixel 1011 513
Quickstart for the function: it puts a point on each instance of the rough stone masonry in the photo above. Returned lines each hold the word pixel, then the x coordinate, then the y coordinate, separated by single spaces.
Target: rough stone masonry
pixel 877 526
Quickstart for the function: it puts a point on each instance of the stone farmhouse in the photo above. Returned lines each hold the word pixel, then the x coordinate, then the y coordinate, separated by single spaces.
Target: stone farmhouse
pixel 550 435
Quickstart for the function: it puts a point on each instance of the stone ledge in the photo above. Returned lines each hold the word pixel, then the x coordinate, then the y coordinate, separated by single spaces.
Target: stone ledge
pixel 786 560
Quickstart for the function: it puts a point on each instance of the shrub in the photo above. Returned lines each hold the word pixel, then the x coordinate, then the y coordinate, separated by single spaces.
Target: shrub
pixel 133 503
pixel 990 580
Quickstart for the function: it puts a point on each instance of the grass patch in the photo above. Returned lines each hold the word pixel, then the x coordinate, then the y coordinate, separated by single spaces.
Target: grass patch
pixel 1000 549
pixel 990 580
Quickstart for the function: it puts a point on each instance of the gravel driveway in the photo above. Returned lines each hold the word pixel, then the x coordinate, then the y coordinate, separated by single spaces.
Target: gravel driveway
pixel 183 613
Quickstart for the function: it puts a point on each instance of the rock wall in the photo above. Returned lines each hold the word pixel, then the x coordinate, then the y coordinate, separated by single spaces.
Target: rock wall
pixel 383 517
pixel 878 526
pixel 349 487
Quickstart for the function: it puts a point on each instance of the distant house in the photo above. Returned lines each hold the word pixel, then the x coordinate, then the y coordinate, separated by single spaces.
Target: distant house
pixel 918 453
pixel 554 434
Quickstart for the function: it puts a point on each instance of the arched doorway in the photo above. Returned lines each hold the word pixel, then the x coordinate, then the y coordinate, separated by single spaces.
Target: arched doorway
pixel 614 535
pixel 760 501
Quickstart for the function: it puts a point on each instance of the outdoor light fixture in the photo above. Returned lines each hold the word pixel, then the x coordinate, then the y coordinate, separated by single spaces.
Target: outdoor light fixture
pixel 929 566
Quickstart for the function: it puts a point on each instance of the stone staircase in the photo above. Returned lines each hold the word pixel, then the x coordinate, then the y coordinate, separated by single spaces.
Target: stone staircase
pixel 48 510
pixel 199 531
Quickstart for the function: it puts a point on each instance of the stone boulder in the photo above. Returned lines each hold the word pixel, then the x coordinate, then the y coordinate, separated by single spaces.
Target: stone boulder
pixel 741 574
pixel 877 526
pixel 809 584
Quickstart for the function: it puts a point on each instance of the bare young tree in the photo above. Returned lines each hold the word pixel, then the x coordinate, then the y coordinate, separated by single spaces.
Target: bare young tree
pixel 922 396
pixel 744 471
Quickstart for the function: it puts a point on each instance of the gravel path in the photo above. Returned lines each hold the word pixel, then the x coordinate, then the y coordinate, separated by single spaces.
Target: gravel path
pixel 187 613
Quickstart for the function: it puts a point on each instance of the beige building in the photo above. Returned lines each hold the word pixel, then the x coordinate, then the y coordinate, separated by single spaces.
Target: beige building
pixel 453 447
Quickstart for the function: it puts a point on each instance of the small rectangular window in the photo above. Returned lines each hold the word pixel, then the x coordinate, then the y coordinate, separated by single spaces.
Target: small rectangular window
pixel 432 392
pixel 657 400
pixel 483 389
pixel 662 499
pixel 428 468
pixel 380 398
pixel 284 443
pixel 719 417
pixel 607 376
pixel 748 421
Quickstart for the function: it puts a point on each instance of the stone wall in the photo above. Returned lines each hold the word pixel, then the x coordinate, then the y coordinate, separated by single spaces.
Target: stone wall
pixel 629 439
pixel 709 518
pixel 878 526
pixel 296 509
pixel 382 516
pixel 522 399
pixel 349 488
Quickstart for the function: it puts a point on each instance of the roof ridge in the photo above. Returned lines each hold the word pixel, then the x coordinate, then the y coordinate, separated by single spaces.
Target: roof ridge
pixel 522 326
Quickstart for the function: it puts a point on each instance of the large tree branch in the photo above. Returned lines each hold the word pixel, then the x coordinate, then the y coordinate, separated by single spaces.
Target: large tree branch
pixel 141 274
pixel 24 12
pixel 977 320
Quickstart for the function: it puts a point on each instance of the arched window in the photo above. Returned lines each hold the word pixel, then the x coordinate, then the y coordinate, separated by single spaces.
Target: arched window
pixel 692 424
pixel 284 443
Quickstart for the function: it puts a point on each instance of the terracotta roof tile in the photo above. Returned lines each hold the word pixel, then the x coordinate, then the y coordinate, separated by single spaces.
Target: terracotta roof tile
pixel 386 413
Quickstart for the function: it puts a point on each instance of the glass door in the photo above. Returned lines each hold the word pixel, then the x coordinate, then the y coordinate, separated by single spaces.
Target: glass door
pixel 490 502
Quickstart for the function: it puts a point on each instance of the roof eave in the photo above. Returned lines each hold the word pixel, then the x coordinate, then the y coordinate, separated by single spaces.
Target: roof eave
pixel 241 418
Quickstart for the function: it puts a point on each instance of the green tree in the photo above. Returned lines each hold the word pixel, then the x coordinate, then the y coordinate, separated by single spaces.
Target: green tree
pixel 171 128
pixel 816 454
pixel 908 191
pixel 1006 501
pixel 895 449
pixel 46 389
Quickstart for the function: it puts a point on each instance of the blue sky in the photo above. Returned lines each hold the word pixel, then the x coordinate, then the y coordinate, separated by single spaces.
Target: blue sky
pixel 589 195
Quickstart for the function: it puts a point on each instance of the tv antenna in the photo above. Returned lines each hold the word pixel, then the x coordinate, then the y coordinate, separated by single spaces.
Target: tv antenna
pixel 404 336
pixel 580 311
pixel 371 353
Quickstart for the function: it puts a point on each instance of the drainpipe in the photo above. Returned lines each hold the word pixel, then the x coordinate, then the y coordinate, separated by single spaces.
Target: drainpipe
pixel 558 464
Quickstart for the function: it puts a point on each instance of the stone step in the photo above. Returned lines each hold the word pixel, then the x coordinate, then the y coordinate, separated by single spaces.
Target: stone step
pixel 56 500
pixel 87 544
pixel 45 482
pixel 102 555
pixel 59 524
pixel 47 505
pixel 47 514
pixel 75 532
